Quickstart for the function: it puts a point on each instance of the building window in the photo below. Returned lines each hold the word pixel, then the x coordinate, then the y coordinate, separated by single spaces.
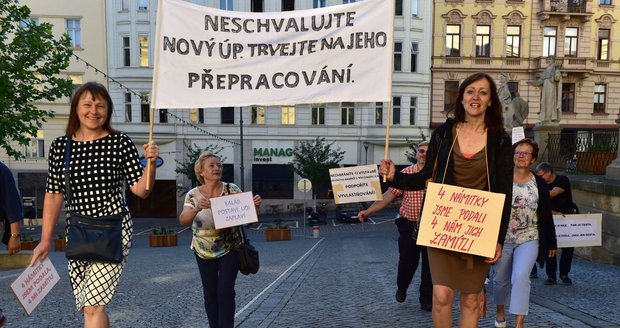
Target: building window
pixel 124 5
pixel 398 8
pixel 318 114
pixel 414 57
pixel 77 81
pixel 30 21
pixel 568 97
pixel 201 115
pixel 450 93
pixel 257 6
pixel 413 105
pixel 35 147
pixel 163 115
pixel 453 40
pixel 143 5
pixel 144 50
pixel 288 5
pixel 415 8
pixel 379 113
pixel 227 115
pixel 570 42
pixel 599 98
pixel 549 40
pixel 347 1
pixel 226 4
pixel 603 44
pixel 398 54
pixel 319 3
pixel 74 32
pixel 606 2
pixel 145 108
pixel 483 41
pixel 513 41
pixel 347 112
pixel 127 106
pixel 126 52
pixel 288 115
pixel 258 115
pixel 395 110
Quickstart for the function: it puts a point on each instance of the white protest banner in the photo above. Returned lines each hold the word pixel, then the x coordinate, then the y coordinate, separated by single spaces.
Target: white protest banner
pixel 206 57
pixel 355 184
pixel 34 284
pixel 233 210
pixel 578 230
pixel 461 219
pixel 518 134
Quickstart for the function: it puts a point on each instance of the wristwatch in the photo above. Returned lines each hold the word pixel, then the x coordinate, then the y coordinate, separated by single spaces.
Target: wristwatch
pixel 14 234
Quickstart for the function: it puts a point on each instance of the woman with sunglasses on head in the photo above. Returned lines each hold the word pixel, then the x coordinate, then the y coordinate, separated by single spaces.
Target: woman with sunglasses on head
pixel 472 150
pixel 530 236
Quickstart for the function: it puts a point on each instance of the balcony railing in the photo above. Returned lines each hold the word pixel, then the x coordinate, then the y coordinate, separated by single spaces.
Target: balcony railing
pixel 570 6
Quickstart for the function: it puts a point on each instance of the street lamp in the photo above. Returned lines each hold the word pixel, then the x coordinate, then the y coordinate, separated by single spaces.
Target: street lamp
pixel 366 145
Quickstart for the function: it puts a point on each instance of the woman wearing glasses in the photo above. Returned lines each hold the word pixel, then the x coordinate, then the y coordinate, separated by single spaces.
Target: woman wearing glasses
pixel 530 236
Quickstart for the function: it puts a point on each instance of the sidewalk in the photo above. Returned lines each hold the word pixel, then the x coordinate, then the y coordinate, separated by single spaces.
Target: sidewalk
pixel 346 278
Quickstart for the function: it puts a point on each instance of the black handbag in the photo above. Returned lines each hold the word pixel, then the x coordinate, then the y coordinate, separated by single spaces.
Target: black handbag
pixel 247 254
pixel 89 238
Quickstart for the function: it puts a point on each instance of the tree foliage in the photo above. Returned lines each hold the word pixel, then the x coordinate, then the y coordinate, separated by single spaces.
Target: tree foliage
pixel 30 62
pixel 186 167
pixel 313 159
pixel 412 149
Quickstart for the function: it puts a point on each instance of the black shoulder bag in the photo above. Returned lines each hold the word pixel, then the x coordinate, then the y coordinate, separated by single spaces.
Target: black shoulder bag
pixel 247 254
pixel 88 238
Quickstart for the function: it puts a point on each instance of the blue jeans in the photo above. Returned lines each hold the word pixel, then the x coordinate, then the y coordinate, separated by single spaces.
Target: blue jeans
pixel 218 286
pixel 512 276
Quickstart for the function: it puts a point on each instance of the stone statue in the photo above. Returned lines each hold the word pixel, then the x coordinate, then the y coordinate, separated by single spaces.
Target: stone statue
pixel 514 110
pixel 551 95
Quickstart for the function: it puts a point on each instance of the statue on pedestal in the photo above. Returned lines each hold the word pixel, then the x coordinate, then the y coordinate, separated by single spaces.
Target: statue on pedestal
pixel 515 110
pixel 551 96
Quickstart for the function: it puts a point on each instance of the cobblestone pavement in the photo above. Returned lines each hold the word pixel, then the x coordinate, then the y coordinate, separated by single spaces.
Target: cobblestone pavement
pixel 345 278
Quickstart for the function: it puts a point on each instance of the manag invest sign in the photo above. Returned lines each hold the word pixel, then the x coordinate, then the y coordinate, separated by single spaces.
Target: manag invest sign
pixel 266 153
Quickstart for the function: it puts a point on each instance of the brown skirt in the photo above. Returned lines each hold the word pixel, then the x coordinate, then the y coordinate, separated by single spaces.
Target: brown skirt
pixel 452 269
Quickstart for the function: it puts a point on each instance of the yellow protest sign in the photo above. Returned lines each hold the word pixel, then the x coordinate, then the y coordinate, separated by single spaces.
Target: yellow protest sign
pixel 461 219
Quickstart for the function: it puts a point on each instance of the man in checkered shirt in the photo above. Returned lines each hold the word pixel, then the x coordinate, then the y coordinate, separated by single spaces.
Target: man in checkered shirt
pixel 409 251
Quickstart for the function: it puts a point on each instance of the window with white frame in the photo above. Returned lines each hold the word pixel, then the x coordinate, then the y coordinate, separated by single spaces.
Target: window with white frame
pixel 413 106
pixel 258 115
pixel 415 8
pixel 35 147
pixel 395 110
pixel 318 114
pixel 599 98
pixel 127 106
pixel 347 1
pixel 571 40
pixel 226 4
pixel 124 5
pixel 513 41
pixel 398 8
pixel 347 113
pixel 288 115
pixel 414 57
pixel 29 22
pixel 603 44
pixel 126 52
pixel 398 56
pixel 568 97
pixel 143 5
pixel 378 113
pixel 143 40
pixel 549 40
pixel 319 3
pixel 453 40
pixel 75 32
pixel 76 81
pixel 483 41
pixel 145 108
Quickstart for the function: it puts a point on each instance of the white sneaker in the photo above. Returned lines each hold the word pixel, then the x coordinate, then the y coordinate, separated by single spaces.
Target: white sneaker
pixel 500 324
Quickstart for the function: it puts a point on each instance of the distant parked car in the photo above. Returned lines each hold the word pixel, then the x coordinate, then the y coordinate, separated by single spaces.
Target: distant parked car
pixel 347 213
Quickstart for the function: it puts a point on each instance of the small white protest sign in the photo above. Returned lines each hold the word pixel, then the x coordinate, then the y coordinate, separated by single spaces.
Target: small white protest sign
pixel 34 284
pixel 578 230
pixel 355 184
pixel 518 134
pixel 233 210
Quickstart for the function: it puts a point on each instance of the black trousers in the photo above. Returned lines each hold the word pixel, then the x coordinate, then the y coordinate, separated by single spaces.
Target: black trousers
pixel 409 257
pixel 551 264
pixel 218 285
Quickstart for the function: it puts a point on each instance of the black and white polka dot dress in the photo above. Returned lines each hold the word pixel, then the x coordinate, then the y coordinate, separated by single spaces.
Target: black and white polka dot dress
pixel 98 169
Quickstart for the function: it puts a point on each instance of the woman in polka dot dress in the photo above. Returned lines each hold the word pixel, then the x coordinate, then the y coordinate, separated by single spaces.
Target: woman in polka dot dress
pixel 101 160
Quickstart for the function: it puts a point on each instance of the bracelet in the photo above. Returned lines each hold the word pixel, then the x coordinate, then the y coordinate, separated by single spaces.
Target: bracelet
pixel 15 235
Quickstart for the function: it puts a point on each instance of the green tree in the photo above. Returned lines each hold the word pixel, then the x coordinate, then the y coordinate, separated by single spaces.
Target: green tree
pixel 412 149
pixel 31 60
pixel 186 167
pixel 313 159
